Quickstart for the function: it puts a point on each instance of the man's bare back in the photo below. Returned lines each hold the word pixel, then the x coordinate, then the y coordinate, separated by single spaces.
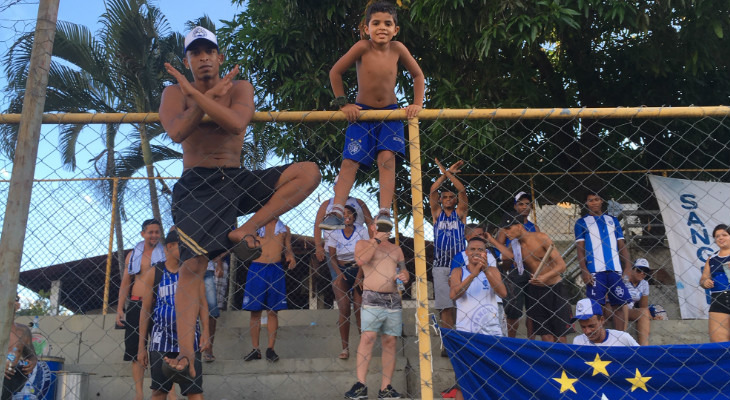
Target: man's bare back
pixel 534 246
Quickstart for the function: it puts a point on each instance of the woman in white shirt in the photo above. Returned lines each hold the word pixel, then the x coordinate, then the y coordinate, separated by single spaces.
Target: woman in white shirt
pixel 341 245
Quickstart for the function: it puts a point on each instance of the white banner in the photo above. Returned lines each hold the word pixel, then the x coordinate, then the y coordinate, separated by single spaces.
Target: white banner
pixel 691 210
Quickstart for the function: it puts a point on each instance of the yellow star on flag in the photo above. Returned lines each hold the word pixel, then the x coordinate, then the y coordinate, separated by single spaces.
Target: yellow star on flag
pixel 638 381
pixel 566 383
pixel 599 366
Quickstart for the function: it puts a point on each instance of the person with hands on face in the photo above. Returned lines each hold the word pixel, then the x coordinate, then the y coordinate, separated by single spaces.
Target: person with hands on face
pixel 716 278
pixel 475 287
pixel 21 358
pixel 214 190
pixel 341 245
pixel 266 285
pixel 376 60
pixel 158 311
pixel 382 264
pixel 448 213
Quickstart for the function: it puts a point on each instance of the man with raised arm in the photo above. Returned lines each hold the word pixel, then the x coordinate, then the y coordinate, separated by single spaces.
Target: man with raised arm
pixel 214 190
pixel 448 237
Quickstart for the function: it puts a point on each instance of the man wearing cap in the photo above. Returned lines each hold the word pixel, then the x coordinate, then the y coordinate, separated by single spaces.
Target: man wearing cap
pixel 448 237
pixel 545 299
pixel 638 308
pixel 589 315
pixel 214 190
pixel 602 251
pixel 516 281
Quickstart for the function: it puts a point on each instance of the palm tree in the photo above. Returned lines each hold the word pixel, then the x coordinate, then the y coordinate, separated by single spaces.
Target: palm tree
pixel 120 69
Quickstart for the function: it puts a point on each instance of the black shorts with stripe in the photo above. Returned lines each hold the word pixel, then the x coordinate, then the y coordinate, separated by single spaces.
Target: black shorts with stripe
pixel 207 201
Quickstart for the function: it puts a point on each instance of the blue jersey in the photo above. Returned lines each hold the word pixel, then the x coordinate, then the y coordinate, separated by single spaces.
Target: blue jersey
pixel 717 271
pixel 164 329
pixel 601 235
pixel 448 238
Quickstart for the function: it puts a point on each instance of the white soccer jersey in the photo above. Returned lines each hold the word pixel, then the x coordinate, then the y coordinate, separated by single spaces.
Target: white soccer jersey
pixel 601 235
pixel 345 246
pixel 613 338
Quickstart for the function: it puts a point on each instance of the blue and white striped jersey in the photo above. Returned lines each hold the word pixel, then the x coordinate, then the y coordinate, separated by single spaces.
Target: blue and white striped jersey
pixel 448 238
pixel 164 329
pixel 601 235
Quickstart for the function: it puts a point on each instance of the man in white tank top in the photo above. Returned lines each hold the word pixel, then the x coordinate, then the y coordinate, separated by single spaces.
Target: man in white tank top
pixel 474 288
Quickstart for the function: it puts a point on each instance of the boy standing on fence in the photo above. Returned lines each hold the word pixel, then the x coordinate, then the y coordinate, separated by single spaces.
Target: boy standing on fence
pixel 376 61
pixel 214 190
pixel 382 263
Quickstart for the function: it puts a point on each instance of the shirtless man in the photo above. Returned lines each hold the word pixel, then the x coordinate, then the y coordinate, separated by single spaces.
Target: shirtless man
pixel 146 253
pixel 382 311
pixel 545 302
pixel 21 357
pixel 266 285
pixel 214 190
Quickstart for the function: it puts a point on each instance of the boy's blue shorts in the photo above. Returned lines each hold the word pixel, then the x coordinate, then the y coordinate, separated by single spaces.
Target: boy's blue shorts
pixel 608 283
pixel 265 287
pixel 365 139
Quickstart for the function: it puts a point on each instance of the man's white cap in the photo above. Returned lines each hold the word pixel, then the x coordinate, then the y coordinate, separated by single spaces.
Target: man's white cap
pixel 199 33
pixel 585 309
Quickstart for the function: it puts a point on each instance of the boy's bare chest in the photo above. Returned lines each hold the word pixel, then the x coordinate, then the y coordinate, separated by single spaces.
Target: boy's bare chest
pixel 382 64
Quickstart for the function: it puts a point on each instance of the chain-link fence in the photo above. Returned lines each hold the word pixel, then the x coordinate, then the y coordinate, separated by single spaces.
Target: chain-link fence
pixel 84 220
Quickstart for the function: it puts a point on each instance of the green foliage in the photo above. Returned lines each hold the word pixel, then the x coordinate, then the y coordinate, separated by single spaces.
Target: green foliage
pixel 38 307
pixel 513 53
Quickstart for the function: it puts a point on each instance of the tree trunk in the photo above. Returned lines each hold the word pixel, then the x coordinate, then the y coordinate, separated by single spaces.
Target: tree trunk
pixel 147 155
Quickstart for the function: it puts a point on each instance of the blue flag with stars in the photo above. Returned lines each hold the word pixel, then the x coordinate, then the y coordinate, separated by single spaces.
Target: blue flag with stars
pixel 491 367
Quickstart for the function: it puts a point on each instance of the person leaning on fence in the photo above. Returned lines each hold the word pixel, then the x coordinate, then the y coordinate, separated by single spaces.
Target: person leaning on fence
pixel 715 278
pixel 212 274
pixel 341 246
pixel 546 300
pixel 589 313
pixel 382 310
pixel 21 358
pixel 639 306
pixel 145 253
pixel 214 190
pixel 602 251
pixel 377 61
pixel 158 312
pixel 517 280
pixel 476 287
pixel 448 213
pixel 321 237
pixel 266 286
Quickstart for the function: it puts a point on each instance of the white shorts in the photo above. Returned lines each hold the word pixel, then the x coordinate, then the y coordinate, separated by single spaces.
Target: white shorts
pixel 441 288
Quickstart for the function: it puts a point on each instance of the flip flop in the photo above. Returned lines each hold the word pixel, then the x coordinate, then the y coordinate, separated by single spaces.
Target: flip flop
pixel 244 252
pixel 344 354
pixel 208 358
pixel 176 375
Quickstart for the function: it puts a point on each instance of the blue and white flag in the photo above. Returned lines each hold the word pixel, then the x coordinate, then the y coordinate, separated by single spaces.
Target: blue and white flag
pixel 491 367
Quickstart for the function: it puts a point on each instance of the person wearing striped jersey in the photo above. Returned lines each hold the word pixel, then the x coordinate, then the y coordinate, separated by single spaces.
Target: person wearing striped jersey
pixel 448 237
pixel 603 258
pixel 158 309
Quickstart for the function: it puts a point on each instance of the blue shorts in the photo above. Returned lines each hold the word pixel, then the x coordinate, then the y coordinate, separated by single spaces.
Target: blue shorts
pixel 608 283
pixel 365 139
pixel 211 294
pixel 265 287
